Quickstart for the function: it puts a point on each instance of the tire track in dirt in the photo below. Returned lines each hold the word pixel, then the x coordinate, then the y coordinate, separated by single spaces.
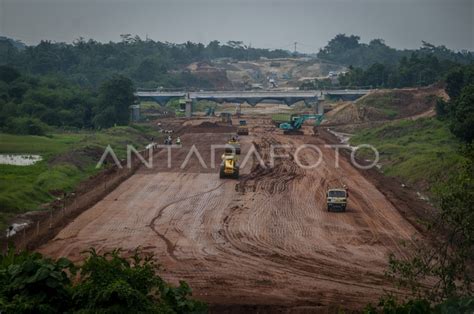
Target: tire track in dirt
pixel 169 244
pixel 261 244
pixel 255 256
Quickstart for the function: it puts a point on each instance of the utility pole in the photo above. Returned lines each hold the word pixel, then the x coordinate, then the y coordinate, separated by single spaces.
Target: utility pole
pixel 295 47
pixel 248 51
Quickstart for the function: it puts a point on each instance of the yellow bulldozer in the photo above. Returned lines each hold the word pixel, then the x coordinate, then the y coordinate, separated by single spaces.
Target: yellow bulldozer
pixel 229 167
pixel 233 146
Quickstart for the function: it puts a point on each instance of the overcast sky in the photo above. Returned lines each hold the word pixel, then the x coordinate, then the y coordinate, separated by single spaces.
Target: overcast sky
pixel 261 23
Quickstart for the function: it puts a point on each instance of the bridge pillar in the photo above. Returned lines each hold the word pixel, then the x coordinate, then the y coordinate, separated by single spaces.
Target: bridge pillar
pixel 315 106
pixel 238 110
pixel 189 107
pixel 319 107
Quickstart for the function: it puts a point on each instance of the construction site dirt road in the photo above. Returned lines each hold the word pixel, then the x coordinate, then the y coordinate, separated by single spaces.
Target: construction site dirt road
pixel 266 239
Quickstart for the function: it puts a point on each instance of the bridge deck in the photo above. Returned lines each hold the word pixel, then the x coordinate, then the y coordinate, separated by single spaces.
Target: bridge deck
pixel 251 94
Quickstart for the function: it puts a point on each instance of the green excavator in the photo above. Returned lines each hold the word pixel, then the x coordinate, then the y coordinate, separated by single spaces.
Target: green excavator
pixel 296 122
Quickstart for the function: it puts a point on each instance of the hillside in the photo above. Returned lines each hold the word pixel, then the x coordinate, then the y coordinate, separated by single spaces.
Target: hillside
pixel 400 123
pixel 385 105
pixel 286 72
pixel 420 152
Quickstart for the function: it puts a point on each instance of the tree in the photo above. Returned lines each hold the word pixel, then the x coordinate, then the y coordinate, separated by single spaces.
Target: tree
pixel 8 74
pixel 340 44
pixel 149 70
pixel 376 75
pixel 457 79
pixel 460 109
pixel 105 118
pixel 116 93
pixel 26 125
pixel 462 122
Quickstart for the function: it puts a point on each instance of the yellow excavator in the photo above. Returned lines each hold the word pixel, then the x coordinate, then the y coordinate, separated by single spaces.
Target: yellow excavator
pixel 229 167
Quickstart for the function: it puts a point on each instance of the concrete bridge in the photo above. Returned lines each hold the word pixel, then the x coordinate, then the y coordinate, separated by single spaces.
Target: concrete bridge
pixel 311 97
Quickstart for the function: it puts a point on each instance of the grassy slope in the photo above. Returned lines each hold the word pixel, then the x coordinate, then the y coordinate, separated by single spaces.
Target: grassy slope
pixel 381 102
pixel 420 152
pixel 37 144
pixel 25 188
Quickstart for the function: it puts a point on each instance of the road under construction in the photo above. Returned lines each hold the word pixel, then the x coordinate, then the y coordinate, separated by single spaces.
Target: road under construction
pixel 264 239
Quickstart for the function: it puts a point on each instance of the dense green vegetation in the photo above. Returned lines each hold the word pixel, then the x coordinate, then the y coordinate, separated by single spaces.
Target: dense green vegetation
pixel 149 63
pixel 376 65
pixel 389 305
pixel 103 283
pixel 459 111
pixel 31 105
pixel 68 158
pixel 348 50
pixel 415 70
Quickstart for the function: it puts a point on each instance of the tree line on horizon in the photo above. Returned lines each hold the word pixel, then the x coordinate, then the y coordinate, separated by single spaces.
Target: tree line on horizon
pixel 348 50
pixel 148 63
pixel 376 65
pixel 153 63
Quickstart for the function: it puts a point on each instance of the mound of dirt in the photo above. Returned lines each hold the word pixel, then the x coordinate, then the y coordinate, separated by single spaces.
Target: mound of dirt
pixel 208 124
pixel 384 105
pixel 210 127
pixel 80 158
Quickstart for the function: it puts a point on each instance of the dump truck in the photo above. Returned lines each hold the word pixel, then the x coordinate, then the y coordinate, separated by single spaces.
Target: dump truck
pixel 243 129
pixel 336 199
pixel 296 122
pixel 229 167
pixel 233 146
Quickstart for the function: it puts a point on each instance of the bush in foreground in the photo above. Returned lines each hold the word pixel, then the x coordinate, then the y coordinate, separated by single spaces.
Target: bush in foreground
pixel 105 283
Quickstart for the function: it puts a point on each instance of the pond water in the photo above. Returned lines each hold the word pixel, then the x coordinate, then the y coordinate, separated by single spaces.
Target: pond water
pixel 19 160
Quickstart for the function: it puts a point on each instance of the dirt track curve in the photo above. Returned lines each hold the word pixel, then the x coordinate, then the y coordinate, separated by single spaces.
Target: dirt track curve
pixel 265 239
